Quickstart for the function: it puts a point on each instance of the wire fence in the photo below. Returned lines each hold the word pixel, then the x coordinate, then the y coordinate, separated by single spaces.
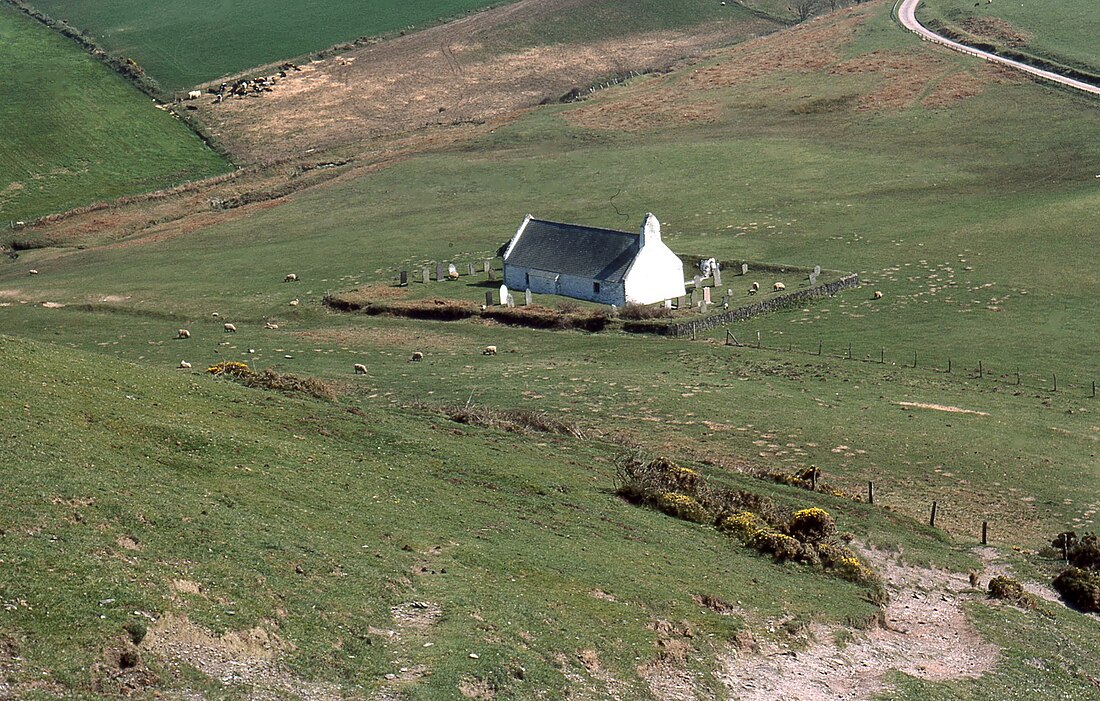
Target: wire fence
pixel 928 361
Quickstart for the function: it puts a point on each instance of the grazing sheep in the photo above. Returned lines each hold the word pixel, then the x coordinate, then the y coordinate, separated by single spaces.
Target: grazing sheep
pixel 489 350
pixel 273 327
pixel 754 288
pixel 183 333
pixel 360 369
pixel 778 287
pixel 184 365
pixel 877 294
pixel 194 94
pixel 417 356
pixel 34 272
pixel 291 278
pixel 230 328
pixel 215 315
pixel 294 303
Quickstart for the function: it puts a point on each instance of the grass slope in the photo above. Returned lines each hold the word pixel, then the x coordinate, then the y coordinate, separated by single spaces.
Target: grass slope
pixel 1064 31
pixel 161 493
pixel 184 44
pixel 75 132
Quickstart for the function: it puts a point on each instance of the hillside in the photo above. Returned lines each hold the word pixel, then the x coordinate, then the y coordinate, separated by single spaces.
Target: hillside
pixel 75 132
pixel 315 546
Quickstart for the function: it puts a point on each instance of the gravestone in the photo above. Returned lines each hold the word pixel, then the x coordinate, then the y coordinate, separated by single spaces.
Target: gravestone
pixel 744 268
pixel 813 279
pixel 438 271
pixel 696 297
pixel 488 298
pixel 697 280
pixel 511 300
pixel 425 275
pixel 404 278
pixel 469 268
pixel 452 271
pixel 492 275
pixel 817 270
pixel 726 301
pixel 488 266
pixel 504 294
pixel 717 277
pixel 668 304
pixel 527 298
pixel 706 296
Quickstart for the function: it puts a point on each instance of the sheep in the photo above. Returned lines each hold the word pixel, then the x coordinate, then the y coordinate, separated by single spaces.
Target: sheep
pixel 271 326
pixel 294 302
pixel 489 350
pixel 184 365
pixel 215 315
pixel 292 277
pixel 417 356
pixel 877 294
pixel 183 333
pixel 33 272
pixel 230 328
pixel 779 286
pixel 360 369
pixel 754 288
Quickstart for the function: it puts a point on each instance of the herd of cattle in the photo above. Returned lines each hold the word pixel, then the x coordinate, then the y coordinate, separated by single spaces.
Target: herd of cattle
pixel 246 87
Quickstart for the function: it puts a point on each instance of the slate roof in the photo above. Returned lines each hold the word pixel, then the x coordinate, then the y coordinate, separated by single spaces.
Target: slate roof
pixel 583 251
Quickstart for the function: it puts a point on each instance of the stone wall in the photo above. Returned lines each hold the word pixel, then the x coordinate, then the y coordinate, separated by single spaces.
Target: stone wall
pixel 794 299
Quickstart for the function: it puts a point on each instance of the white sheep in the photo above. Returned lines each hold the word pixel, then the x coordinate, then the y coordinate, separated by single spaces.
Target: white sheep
pixel 877 294
pixel 291 278
pixel 489 350
pixel 215 315
pixel 754 288
pixel 417 356
pixel 271 326
pixel 294 302
pixel 779 286
pixel 184 365
pixel 230 328
pixel 33 272
pixel 360 369
pixel 194 94
pixel 183 333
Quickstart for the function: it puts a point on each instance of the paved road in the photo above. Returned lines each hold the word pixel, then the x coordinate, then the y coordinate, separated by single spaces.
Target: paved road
pixel 907 15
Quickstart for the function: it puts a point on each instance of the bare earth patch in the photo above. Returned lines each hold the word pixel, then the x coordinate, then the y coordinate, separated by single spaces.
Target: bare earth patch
pixel 996 29
pixel 954 88
pixel 941 407
pixel 453 74
pixel 245 658
pixel 925 634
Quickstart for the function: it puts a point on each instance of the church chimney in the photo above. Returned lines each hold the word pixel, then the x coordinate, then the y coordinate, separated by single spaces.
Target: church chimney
pixel 651 230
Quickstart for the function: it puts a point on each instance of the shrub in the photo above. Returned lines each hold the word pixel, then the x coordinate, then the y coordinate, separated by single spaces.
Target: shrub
pixel 269 379
pixel 637 312
pixel 230 368
pixel 743 524
pixel 681 506
pixel 1010 590
pixel 811 525
pixel 1080 588
pixel 136 630
pixel 1085 553
pixel 782 547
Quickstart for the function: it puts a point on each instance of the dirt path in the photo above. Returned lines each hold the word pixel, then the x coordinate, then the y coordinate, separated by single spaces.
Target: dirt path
pixel 908 18
pixel 480 68
pixel 925 635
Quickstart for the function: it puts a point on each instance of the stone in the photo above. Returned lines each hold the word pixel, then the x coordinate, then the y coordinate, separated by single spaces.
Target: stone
pixel 438 271
pixel 717 277
pixel 817 270
pixel 425 275
pixel 488 265
pixel 469 268
pixel 504 294
pixel 511 300
pixel 744 268
pixel 488 298
pixel 527 298
pixel 404 278
pixel 706 295
pixel 697 280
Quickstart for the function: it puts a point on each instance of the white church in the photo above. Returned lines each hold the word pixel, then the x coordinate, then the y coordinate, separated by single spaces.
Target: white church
pixel 598 265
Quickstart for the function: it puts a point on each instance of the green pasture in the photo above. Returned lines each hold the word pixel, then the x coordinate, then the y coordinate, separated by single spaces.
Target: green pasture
pixel 74 132
pixel 1064 31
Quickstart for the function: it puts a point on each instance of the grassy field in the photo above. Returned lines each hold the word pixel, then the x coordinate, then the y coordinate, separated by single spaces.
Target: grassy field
pixel 1064 31
pixel 75 132
pixel 183 45
pixel 801 149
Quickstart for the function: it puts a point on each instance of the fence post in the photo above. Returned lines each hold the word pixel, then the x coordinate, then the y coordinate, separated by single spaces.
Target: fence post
pixel 729 336
pixel 932 518
pixel 1093 395
pixel 949 366
pixel 981 370
pixel 1017 377
pixel 914 359
pixel 693 331
pixel 819 347
pixel 849 350
pixel 870 492
pixel 985 532
pixel 882 355
pixel 1055 376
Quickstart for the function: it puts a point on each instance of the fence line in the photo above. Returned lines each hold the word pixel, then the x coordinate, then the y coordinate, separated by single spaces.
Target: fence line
pixel 1014 378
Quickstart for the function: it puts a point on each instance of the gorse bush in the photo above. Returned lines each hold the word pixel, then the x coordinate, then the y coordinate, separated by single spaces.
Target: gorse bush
pixel 230 368
pixel 1010 590
pixel 1080 588
pixel 811 525
pixel 681 506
